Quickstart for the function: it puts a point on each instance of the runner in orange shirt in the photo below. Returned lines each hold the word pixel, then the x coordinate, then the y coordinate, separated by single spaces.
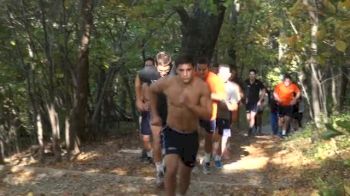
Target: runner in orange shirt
pixel 286 94
pixel 218 94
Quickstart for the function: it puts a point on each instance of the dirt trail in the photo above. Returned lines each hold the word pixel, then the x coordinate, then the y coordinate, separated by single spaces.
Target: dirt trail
pixel 256 166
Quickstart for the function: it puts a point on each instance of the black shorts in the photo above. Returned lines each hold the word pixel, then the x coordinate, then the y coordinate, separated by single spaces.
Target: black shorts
pixel 251 107
pixel 208 125
pixel 295 111
pixel 183 144
pixel 146 123
pixel 285 111
pixel 222 124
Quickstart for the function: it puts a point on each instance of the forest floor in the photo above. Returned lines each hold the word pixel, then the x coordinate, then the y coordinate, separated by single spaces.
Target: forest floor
pixel 260 165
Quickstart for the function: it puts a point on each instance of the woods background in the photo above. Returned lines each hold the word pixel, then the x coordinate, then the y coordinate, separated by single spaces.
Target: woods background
pixel 67 67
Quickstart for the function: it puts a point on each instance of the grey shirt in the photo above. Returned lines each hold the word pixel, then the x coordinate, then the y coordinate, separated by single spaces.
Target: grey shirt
pixel 232 92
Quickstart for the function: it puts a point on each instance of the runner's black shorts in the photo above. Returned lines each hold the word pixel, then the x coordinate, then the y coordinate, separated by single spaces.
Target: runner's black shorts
pixel 251 107
pixel 208 125
pixel 222 124
pixel 183 144
pixel 285 111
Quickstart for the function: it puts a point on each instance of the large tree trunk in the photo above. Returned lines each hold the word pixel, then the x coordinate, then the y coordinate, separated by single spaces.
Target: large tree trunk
pixel 50 105
pixel 316 89
pixel 80 105
pixel 200 30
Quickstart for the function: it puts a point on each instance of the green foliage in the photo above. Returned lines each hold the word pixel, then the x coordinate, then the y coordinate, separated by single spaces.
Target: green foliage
pixel 330 186
pixel 338 125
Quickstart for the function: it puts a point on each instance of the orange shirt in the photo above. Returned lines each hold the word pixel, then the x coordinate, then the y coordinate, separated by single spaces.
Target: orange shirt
pixel 286 93
pixel 216 85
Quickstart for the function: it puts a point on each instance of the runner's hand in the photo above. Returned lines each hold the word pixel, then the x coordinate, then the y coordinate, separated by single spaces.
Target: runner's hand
pixel 259 103
pixel 139 105
pixel 293 102
pixel 146 106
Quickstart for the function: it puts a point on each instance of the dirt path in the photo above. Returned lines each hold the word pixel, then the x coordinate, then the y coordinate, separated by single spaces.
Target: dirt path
pixel 256 166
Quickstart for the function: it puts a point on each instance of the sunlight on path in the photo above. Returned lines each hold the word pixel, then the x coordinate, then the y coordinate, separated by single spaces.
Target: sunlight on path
pixel 250 163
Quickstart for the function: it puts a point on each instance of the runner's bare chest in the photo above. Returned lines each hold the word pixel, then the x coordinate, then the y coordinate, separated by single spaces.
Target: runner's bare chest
pixel 179 96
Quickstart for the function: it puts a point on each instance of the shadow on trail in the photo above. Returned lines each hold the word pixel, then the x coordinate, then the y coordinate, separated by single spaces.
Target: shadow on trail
pixel 257 165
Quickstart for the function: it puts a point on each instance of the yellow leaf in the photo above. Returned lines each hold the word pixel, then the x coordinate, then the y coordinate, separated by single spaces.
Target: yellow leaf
pixel 347 4
pixel 340 45
pixel 326 54
pixel 321 60
pixel 345 24
pixel 344 5
pixel 329 6
pixel 30 194
pixel 321 33
pixel 347 188
pixel 13 43
pixel 297 8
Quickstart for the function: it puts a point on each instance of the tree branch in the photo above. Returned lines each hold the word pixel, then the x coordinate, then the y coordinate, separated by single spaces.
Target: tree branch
pixel 183 14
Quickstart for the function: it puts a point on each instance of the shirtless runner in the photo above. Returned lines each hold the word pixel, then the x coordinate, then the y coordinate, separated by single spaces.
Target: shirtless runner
pixel 188 99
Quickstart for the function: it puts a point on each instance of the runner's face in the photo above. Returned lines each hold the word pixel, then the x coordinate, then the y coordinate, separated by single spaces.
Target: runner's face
pixel 203 70
pixel 185 71
pixel 148 63
pixel 163 68
pixel 252 75
pixel 287 82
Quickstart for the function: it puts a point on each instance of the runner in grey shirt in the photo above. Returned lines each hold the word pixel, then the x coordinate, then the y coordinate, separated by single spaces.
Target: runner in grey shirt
pixel 225 108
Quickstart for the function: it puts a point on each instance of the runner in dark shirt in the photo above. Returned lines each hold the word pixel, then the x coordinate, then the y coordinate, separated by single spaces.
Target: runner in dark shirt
pixel 142 104
pixel 254 92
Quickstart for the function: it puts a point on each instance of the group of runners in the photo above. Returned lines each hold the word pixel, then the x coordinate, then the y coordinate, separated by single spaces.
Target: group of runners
pixel 175 101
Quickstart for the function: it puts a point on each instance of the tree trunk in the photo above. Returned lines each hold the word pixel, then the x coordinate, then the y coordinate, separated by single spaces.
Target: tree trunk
pixel 234 20
pixel 53 116
pixel 40 133
pixel 316 89
pixel 50 105
pixel 305 89
pixel 103 88
pixel 200 30
pixel 131 99
pixel 2 151
pixel 80 105
pixel 343 87
pixel 334 90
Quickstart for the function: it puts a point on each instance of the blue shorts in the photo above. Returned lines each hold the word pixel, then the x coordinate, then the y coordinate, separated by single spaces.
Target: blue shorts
pixel 146 123
pixel 208 125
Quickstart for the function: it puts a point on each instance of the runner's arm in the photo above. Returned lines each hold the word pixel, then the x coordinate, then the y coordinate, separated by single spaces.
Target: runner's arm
pixel 232 104
pixel 203 110
pixel 154 90
pixel 138 93
pixel 262 93
pixel 275 95
pixel 218 92
pixel 297 96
